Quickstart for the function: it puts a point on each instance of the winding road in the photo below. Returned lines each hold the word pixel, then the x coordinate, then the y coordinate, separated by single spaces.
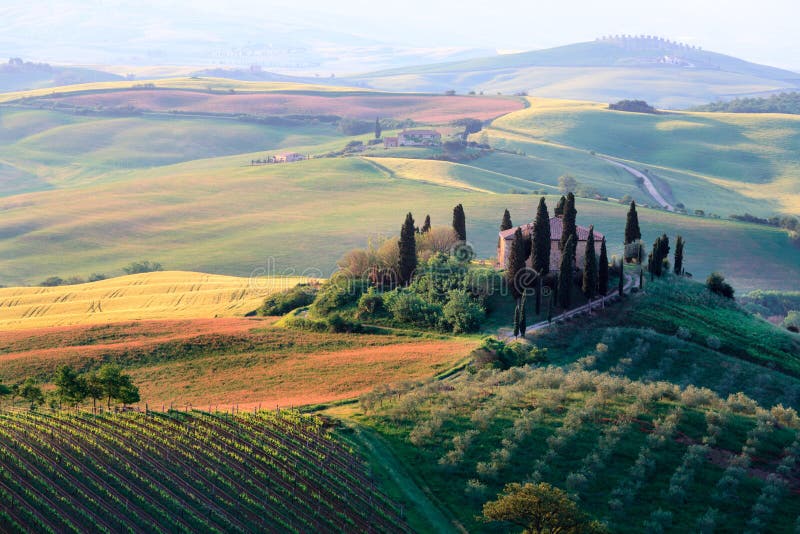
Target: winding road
pixel 648 184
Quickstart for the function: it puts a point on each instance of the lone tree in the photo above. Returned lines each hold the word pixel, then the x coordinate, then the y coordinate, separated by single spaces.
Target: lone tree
pixel 565 272
pixel 460 223
pixel 590 278
pixel 506 224
pixel 540 248
pixel 632 232
pixel 408 251
pixel 538 508
pixel 679 243
pixel 516 265
pixel 378 129
pixel 567 183
pixel 426 227
pixel 117 386
pixel 559 211
pixel 602 270
pixel 569 228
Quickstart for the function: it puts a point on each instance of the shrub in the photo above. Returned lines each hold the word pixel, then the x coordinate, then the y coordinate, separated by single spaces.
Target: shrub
pixel 338 294
pixel 340 325
pixel 370 303
pixel 145 266
pixel 462 312
pixel 410 308
pixel 713 342
pixel 716 284
pixel 683 333
pixel 288 300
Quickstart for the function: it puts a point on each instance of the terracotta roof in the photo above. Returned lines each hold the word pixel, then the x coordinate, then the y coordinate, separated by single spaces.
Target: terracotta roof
pixel 556 228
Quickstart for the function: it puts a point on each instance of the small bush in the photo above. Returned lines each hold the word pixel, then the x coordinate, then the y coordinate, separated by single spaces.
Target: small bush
pixel 286 301
pixel 716 284
pixel 410 308
pixel 338 294
pixel 713 342
pixel 462 312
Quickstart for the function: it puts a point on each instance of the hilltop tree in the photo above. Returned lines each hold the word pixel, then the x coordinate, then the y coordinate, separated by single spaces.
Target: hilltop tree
pixel 716 284
pixel 408 251
pixel 565 272
pixel 516 265
pixel 540 247
pixel 559 211
pixel 679 242
pixel 70 387
pixel 378 129
pixel 602 270
pixel 590 277
pixel 569 227
pixel 506 224
pixel 460 223
pixel 538 509
pixel 426 227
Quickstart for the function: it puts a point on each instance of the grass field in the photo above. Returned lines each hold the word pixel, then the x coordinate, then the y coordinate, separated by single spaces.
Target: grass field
pixel 753 155
pixel 158 295
pixel 234 361
pixel 429 109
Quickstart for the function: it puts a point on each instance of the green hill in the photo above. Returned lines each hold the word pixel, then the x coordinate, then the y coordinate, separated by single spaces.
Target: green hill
pixel 667 74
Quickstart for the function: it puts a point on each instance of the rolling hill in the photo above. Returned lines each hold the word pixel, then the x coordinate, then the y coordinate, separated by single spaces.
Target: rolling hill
pixel 670 75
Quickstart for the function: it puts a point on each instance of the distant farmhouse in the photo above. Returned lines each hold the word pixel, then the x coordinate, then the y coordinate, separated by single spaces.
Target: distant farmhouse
pixel 556 229
pixel 288 157
pixel 414 138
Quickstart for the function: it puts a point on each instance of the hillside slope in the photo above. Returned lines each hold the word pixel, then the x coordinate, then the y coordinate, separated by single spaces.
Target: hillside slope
pixel 667 74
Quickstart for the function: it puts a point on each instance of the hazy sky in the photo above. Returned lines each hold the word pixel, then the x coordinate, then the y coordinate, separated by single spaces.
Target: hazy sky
pixel 763 31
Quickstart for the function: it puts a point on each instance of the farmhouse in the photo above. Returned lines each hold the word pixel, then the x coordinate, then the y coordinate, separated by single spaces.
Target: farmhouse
pixel 419 138
pixel 390 142
pixel 288 157
pixel 556 228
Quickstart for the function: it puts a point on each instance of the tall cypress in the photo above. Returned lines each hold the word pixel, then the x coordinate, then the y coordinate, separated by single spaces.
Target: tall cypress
pixel 540 247
pixel 460 223
pixel 426 227
pixel 679 242
pixel 559 211
pixel 565 273
pixel 408 251
pixel 621 281
pixel 632 232
pixel 663 251
pixel 378 129
pixel 516 264
pixel 602 270
pixel 568 224
pixel 506 224
pixel 589 286
pixel 522 318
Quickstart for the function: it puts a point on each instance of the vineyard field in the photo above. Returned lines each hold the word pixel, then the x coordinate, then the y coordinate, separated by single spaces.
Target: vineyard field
pixel 184 472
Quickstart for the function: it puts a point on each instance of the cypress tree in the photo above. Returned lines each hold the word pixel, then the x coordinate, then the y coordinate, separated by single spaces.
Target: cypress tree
pixel 565 272
pixel 621 281
pixel 522 318
pixel 602 270
pixel 559 211
pixel 460 223
pixel 568 225
pixel 516 320
pixel 516 264
pixel 679 242
pixel 632 232
pixel 426 227
pixel 408 251
pixel 505 224
pixel 663 252
pixel 378 129
pixel 540 247
pixel 589 286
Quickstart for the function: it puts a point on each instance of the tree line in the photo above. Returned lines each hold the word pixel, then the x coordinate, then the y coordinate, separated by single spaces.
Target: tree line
pixel 72 388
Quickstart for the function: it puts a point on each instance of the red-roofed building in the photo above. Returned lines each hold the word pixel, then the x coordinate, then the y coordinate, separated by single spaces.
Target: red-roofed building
pixel 556 229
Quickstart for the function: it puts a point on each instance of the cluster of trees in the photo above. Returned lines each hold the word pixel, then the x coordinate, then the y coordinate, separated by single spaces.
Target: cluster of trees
pixel 54 281
pixel 781 103
pixel 787 222
pixel 634 106
pixel 73 388
pixel 145 266
pixel 523 281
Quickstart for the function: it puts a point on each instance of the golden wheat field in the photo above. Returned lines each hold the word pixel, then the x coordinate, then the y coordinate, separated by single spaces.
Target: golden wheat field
pixel 157 295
